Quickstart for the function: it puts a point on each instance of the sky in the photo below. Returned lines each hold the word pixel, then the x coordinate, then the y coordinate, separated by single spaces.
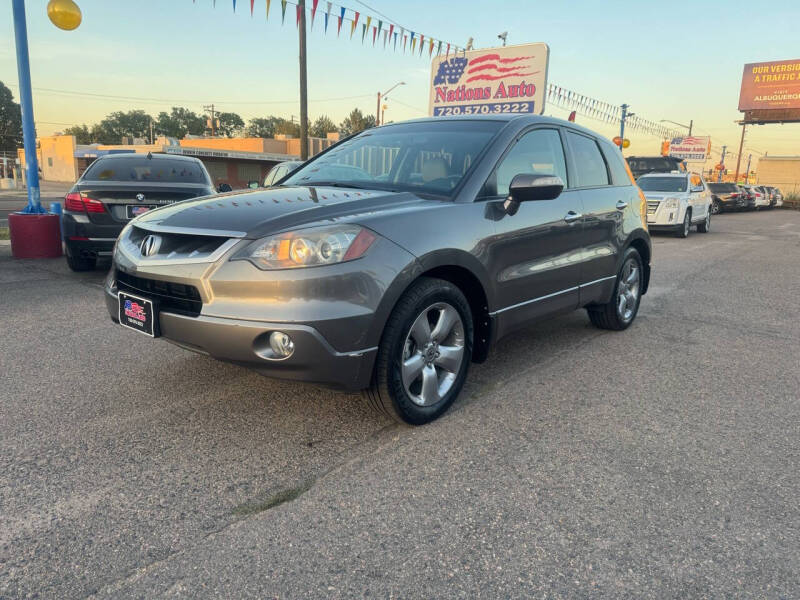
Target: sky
pixel 679 64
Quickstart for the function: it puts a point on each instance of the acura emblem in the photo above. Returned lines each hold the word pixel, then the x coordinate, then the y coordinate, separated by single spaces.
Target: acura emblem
pixel 140 197
pixel 150 245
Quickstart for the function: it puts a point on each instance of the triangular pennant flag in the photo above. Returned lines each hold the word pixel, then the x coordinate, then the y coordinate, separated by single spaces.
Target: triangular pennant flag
pixel 234 5
pixel 421 41
pixel 380 26
pixel 448 49
pixel 299 9
pixel 405 41
pixel 374 34
pixel 313 12
pixel 384 38
pixel 365 29
pixel 391 29
pixel 413 45
pixel 283 11
pixel 353 26
pixel 395 41
pixel 430 47
pixel 341 18
pixel 252 3
pixel 268 1
pixel 327 15
pixel 439 48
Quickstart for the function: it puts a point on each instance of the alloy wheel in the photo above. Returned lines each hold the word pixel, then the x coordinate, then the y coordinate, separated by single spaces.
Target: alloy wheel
pixel 628 290
pixel 433 353
pixel 687 225
pixel 716 208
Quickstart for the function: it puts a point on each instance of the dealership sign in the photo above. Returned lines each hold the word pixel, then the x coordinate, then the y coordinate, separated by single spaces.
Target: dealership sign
pixel 511 79
pixel 690 148
pixel 770 85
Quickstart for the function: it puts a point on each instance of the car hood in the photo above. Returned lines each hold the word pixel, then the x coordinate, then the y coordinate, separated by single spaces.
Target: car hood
pixel 256 213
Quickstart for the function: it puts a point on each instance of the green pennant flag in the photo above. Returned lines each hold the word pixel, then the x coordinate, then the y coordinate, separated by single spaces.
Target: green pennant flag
pixel 283 11
pixel 363 32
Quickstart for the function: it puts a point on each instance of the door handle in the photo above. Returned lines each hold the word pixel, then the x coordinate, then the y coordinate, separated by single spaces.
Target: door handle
pixel 572 216
pixel 621 205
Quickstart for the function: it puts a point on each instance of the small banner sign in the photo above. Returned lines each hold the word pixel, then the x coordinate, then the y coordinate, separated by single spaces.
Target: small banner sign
pixel 690 148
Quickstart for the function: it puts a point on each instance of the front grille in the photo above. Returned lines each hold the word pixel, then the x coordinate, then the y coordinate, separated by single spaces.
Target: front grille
pixel 174 246
pixel 652 206
pixel 171 297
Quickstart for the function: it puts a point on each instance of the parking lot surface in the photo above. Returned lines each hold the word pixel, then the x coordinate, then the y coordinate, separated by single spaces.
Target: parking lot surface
pixel 663 461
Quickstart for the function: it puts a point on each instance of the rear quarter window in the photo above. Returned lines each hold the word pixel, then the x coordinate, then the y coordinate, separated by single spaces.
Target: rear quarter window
pixel 616 164
pixel 590 166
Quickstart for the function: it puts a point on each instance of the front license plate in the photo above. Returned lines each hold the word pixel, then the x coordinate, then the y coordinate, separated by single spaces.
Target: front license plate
pixel 134 210
pixel 138 314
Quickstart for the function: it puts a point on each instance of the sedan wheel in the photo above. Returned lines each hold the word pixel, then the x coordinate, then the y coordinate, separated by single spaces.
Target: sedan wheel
pixel 716 207
pixel 621 310
pixel 628 290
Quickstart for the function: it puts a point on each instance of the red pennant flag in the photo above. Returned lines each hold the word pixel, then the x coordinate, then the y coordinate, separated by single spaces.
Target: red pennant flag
pixel 313 12
pixel 405 39
pixel 298 15
pixel 448 49
pixel 421 41
pixel 374 34
pixel 252 2
pixel 353 25
pixel 391 29
pixel 339 26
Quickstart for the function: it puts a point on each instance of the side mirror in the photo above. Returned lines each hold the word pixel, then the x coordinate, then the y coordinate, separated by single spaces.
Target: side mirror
pixel 531 186
pixel 224 187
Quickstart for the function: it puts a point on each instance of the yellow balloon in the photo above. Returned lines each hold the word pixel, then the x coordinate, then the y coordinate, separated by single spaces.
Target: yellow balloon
pixel 64 14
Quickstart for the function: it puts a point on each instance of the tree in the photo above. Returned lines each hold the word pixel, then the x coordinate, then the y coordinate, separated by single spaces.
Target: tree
pixel 180 122
pixel 261 127
pixel 230 124
pixel 355 122
pixel 287 127
pixel 10 121
pixel 81 133
pixel 321 127
pixel 134 123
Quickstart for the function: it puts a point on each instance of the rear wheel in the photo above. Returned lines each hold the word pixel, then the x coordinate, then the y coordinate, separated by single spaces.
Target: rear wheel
pixel 77 263
pixel 424 354
pixel 624 306
pixel 716 207
pixel 705 226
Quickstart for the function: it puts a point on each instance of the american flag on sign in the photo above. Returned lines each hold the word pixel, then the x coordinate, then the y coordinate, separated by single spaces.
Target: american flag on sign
pixel 485 67
pixel 689 141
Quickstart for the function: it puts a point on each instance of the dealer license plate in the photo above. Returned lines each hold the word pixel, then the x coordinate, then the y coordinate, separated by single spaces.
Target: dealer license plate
pixel 134 210
pixel 138 313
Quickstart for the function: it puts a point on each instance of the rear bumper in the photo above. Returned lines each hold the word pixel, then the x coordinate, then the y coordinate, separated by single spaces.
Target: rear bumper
pixel 246 343
pixel 83 238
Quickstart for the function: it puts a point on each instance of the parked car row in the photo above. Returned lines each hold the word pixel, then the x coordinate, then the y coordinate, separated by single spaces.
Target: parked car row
pixel 729 197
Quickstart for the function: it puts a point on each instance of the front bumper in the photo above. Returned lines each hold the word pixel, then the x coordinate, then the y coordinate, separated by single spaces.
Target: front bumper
pixel 663 228
pixel 334 314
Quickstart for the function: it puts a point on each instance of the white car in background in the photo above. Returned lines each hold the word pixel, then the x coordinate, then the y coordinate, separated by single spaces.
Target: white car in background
pixel 676 202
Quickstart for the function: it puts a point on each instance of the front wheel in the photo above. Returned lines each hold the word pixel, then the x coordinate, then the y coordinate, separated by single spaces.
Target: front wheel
pixel 705 226
pixel 624 306
pixel 685 227
pixel 424 354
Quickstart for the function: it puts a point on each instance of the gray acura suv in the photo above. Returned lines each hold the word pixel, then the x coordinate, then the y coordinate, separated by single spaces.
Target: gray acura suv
pixel 395 258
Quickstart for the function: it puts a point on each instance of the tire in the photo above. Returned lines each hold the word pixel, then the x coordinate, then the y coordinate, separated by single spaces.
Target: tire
pixel 705 226
pixel 79 264
pixel 683 230
pixel 716 207
pixel 613 315
pixel 404 350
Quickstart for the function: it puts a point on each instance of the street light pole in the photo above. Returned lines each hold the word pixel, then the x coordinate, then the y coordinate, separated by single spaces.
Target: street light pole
pixel 26 104
pixel 301 6
pixel 622 126
pixel 383 95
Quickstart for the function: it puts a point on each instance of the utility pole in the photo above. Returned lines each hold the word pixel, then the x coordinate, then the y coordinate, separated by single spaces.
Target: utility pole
pixel 747 173
pixel 151 131
pixel 739 159
pixel 301 6
pixel 378 111
pixel 721 164
pixel 210 109
pixel 691 122
pixel 622 126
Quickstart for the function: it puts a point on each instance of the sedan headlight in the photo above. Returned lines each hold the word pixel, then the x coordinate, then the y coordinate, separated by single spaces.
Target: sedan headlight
pixel 671 202
pixel 308 247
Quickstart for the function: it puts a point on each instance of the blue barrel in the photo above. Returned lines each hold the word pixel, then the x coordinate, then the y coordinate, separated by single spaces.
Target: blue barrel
pixel 55 208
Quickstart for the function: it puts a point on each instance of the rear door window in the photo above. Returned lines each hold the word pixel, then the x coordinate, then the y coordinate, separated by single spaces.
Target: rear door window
pixel 590 166
pixel 616 164
pixel 141 168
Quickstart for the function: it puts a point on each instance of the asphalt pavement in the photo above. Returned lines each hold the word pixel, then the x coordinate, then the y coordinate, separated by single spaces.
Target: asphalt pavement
pixel 663 461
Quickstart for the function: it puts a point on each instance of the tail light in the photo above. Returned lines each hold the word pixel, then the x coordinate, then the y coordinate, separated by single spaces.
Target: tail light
pixel 77 202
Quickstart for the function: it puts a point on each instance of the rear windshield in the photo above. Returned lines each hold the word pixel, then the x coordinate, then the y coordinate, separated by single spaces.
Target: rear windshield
pixel 141 168
pixel 662 184
pixel 658 164
pixel 722 187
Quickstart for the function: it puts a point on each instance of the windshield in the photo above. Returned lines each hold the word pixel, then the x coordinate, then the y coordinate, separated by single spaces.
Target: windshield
pixel 662 184
pixel 426 157
pixel 141 168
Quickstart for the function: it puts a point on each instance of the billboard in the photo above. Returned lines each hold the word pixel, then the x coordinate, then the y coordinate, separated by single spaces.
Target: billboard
pixel 770 85
pixel 510 79
pixel 690 148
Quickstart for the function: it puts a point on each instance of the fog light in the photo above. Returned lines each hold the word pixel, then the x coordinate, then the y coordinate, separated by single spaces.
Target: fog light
pixel 281 344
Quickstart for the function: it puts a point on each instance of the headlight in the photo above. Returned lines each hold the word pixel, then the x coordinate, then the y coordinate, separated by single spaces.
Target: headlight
pixel 671 202
pixel 308 247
